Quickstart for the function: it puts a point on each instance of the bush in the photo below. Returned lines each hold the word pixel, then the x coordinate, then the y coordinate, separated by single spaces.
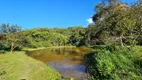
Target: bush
pixel 112 63
pixel 4 46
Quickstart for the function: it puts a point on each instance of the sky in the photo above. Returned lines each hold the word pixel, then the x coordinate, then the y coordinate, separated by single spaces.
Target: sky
pixel 47 13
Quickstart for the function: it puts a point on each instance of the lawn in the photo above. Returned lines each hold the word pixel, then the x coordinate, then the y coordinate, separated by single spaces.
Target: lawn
pixel 18 66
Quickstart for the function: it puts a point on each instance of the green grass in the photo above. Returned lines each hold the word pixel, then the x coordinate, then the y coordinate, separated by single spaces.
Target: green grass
pixel 32 49
pixel 18 66
pixel 137 51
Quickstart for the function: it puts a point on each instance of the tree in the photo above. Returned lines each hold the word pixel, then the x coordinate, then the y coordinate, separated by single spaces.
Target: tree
pixel 76 35
pixel 12 34
pixel 114 22
pixel 90 38
pixel 136 12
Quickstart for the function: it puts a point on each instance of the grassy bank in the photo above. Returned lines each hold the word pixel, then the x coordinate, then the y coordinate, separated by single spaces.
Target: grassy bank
pixel 18 66
pixel 32 49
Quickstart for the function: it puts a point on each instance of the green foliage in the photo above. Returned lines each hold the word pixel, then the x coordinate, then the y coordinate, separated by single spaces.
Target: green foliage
pixel 113 63
pixel 44 37
pixel 11 35
pixel 76 35
pixel 117 23
pixel 139 39
pixel 4 46
pixel 40 37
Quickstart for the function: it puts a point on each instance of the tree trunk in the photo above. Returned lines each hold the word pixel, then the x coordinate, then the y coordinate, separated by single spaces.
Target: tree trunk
pixel 121 40
pixel 11 47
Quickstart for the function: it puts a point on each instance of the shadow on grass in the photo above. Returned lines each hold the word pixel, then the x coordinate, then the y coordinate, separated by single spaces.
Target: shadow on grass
pixel 2 51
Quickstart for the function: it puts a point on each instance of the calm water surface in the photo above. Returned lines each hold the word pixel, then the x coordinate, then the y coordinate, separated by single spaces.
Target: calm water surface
pixel 68 61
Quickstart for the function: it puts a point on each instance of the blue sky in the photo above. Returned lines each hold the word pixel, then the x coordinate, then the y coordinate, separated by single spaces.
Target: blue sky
pixel 47 13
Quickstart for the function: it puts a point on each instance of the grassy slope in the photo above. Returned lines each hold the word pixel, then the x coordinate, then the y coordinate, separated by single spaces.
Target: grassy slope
pixel 19 66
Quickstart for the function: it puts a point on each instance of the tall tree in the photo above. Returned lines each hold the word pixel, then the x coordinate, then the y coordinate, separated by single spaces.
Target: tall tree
pixel 12 35
pixel 114 21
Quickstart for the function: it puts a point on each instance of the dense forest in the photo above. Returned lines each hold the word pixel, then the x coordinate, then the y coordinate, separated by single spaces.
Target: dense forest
pixel 115 36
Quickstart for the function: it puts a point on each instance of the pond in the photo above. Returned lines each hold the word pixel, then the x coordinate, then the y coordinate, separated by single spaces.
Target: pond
pixel 68 61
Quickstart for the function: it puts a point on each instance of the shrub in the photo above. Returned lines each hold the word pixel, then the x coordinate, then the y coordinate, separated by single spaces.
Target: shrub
pixel 112 63
pixel 4 46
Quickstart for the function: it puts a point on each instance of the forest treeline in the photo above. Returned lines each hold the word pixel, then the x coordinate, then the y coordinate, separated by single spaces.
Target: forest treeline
pixel 114 23
pixel 41 37
pixel 47 37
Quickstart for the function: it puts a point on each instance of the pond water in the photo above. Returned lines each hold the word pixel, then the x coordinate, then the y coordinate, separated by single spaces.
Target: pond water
pixel 68 61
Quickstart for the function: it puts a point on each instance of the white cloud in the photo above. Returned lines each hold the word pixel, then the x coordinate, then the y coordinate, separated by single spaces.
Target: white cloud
pixel 90 21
